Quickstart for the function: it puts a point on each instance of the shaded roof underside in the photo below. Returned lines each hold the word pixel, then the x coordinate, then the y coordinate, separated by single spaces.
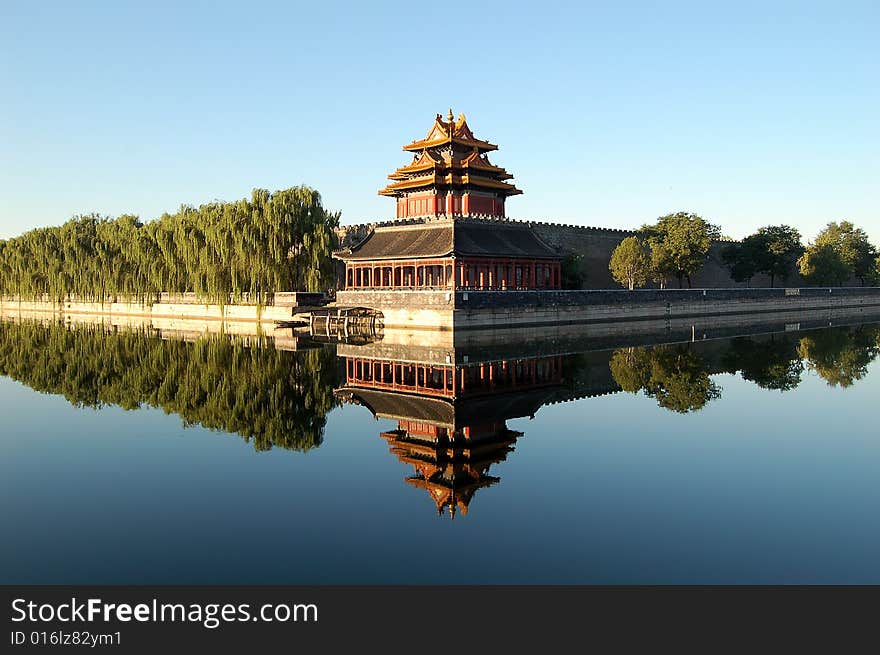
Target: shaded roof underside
pixel 453 414
pixel 491 239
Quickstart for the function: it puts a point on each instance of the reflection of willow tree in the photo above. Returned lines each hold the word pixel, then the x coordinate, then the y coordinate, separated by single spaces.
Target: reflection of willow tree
pixel 674 375
pixel 275 398
pixel 772 363
pixel 841 356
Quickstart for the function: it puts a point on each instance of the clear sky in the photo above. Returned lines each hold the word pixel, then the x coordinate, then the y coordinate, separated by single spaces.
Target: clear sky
pixel 607 114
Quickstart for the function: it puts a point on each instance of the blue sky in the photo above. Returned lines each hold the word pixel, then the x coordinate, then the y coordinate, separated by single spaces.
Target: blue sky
pixel 607 114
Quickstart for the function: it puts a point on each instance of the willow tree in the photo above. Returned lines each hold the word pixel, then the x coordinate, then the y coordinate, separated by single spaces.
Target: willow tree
pixel 219 251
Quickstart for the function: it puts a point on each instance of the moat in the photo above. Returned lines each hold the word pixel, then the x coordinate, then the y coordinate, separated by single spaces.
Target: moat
pixel 734 453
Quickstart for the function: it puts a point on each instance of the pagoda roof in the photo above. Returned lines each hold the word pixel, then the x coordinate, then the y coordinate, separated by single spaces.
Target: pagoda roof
pixel 461 177
pixel 452 414
pixel 448 132
pixel 447 237
pixel 426 161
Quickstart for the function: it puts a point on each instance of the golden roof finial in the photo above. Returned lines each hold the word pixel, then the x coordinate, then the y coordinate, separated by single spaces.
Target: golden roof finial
pixel 450 116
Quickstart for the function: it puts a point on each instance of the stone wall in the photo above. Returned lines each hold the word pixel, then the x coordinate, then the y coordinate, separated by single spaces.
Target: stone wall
pixel 119 312
pixel 444 310
pixel 482 309
pixel 595 245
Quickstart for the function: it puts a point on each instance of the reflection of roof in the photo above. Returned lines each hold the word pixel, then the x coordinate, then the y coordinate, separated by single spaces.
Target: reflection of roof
pixel 444 238
pixel 453 414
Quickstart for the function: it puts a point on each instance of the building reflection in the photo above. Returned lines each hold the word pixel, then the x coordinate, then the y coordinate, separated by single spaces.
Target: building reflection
pixel 452 418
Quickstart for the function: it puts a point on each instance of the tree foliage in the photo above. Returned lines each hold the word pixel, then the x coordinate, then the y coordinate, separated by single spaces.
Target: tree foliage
pixel 852 246
pixel 821 264
pixel 772 250
pixel 679 246
pixel 572 272
pixel 781 246
pixel 272 242
pixel 741 259
pixel 630 263
pixel 268 396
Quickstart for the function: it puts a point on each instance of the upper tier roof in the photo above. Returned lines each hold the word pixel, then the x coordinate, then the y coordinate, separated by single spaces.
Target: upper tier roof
pixel 460 237
pixel 450 157
pixel 450 131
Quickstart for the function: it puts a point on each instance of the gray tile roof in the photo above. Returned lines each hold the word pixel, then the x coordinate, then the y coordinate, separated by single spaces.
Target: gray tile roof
pixel 443 238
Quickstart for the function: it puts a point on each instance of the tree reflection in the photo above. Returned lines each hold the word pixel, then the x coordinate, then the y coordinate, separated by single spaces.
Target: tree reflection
pixel 841 356
pixel 674 375
pixel 272 397
pixel 771 363
pixel 677 376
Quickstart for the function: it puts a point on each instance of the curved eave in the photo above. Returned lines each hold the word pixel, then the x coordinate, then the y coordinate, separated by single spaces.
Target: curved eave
pixel 395 188
pixel 404 172
pixel 500 172
pixel 482 146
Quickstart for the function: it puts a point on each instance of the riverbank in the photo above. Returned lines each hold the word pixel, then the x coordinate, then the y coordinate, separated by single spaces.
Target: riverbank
pixel 467 310
pixel 276 308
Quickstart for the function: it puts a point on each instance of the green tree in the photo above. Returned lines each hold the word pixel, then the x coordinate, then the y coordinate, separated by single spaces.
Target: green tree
pixel 742 258
pixel 572 273
pixel 630 263
pixel 220 251
pixel 821 264
pixel 679 245
pixel 852 246
pixel 781 246
pixel 772 250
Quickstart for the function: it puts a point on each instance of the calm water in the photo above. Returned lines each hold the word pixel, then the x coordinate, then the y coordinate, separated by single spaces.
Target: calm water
pixel 125 458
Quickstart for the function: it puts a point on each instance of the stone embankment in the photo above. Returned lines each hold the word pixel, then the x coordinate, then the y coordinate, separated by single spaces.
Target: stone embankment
pixel 447 310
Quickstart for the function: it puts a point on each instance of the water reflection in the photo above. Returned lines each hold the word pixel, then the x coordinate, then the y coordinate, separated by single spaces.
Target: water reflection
pixel 840 357
pixel 451 419
pixel 270 397
pixel 675 375
pixel 451 406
